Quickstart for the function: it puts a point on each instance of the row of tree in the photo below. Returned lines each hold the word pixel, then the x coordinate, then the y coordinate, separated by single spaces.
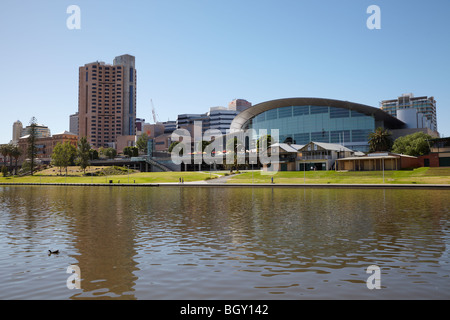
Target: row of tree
pixel 66 154
pixel 416 144
pixel 10 151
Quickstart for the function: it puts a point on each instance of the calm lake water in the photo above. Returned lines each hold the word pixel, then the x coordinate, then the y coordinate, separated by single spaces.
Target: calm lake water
pixel 223 243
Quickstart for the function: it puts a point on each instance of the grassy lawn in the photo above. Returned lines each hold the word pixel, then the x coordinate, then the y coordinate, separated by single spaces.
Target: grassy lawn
pixel 419 176
pixel 75 175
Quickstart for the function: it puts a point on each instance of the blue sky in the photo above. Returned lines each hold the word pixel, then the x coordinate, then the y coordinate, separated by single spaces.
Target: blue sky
pixel 195 54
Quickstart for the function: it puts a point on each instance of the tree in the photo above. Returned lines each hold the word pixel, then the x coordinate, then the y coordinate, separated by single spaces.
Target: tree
pixel 110 153
pixel 415 144
pixel 10 151
pixel 4 151
pixel 267 140
pixel 63 155
pixel 32 149
pixel 131 151
pixel 101 151
pixel 93 154
pixel 203 144
pixel 141 143
pixel 83 153
pixel 16 153
pixel 380 140
pixel 234 146
pixel 173 144
pixel 127 151
pixel 4 171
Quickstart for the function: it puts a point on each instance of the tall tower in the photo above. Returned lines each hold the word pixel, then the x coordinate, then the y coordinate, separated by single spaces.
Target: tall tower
pixel 424 105
pixel 17 131
pixel 107 101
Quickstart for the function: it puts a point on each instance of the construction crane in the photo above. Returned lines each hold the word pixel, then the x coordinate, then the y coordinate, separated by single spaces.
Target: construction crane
pixel 155 116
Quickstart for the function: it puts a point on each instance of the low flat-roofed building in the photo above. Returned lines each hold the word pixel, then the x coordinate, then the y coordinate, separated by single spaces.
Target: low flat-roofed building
pixel 378 161
pixel 439 153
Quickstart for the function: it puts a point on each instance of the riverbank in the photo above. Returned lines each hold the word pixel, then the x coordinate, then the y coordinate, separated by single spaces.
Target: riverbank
pixel 422 177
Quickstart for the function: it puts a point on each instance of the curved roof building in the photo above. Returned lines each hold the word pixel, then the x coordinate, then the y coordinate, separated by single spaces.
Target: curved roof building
pixel 302 120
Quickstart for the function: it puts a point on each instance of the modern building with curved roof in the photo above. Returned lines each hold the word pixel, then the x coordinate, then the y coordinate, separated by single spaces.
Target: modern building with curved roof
pixel 301 120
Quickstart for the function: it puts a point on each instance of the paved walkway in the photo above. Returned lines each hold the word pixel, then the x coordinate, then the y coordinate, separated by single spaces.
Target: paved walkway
pixel 222 179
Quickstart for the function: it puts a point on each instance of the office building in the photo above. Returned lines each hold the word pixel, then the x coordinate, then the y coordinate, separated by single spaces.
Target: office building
pixel 424 105
pixel 220 118
pixel 73 123
pixel 41 131
pixel 239 105
pixel 107 101
pixel 17 131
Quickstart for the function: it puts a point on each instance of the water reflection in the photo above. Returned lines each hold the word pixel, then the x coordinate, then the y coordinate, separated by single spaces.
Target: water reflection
pixel 220 243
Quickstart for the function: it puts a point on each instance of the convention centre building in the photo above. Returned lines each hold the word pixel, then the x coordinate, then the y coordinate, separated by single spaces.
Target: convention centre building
pixel 302 120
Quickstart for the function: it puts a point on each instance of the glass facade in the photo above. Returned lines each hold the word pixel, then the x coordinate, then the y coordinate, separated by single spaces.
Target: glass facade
pixel 304 124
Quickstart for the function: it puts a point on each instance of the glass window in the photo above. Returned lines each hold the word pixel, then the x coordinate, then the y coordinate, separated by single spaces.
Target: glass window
pixel 131 75
pixel 302 138
pixel 131 100
pixel 317 109
pixel 285 112
pixel 339 113
pixel 357 114
pixel 131 128
pixel 301 110
pixel 360 135
pixel 260 117
pixel 321 136
pixel 340 136
pixel 271 114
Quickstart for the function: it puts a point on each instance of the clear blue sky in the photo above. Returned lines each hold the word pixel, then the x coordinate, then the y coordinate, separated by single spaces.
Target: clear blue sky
pixel 195 54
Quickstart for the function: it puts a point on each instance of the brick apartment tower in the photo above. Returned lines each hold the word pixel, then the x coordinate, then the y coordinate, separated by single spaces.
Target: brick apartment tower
pixel 107 101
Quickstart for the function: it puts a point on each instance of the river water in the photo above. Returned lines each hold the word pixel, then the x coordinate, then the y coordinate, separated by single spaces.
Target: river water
pixel 223 243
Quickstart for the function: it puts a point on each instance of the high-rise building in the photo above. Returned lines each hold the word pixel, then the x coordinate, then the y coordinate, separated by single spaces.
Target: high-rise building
pixel 107 101
pixel 239 105
pixel 41 131
pixel 220 118
pixel 424 105
pixel 17 131
pixel 73 124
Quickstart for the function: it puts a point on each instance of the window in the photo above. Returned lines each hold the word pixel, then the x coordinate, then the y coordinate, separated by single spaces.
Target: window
pixel 131 75
pixel 316 109
pixel 360 135
pixel 301 110
pixel 131 100
pixel 357 114
pixel 271 114
pixel 339 113
pixel 340 136
pixel 321 136
pixel 302 138
pixel 131 126
pixel 285 112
